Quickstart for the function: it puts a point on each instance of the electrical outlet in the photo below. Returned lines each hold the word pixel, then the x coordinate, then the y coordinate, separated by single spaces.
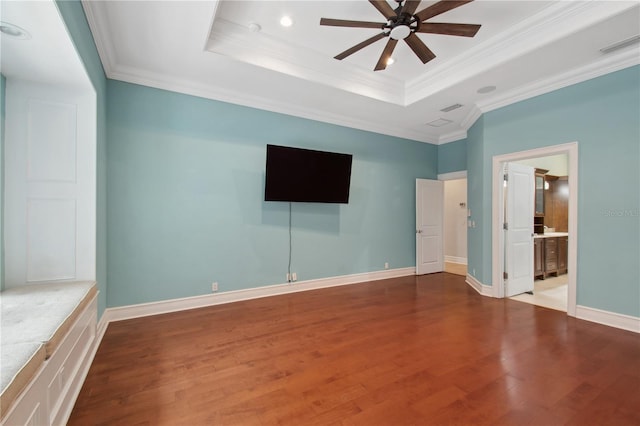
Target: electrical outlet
pixel 288 277
pixel 386 265
pixel 214 287
pixel 294 277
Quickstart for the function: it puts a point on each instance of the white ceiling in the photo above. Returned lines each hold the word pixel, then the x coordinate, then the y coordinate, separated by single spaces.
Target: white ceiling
pixel 205 48
pixel 47 54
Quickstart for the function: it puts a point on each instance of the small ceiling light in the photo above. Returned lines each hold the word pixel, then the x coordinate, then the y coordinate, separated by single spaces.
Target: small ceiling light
pixel 14 31
pixel 486 89
pixel 390 61
pixel 286 21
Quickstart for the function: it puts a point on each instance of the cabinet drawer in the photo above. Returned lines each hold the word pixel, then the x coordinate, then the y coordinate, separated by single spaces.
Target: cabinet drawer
pixel 551 265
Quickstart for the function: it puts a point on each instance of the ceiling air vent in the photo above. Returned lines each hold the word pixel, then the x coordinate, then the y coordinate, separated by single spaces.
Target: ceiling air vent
pixel 451 107
pixel 621 44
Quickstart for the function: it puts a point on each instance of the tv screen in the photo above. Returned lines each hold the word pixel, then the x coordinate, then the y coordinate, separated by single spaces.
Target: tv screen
pixel 304 175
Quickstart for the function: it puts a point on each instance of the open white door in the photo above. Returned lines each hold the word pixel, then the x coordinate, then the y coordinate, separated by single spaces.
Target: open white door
pixel 429 209
pixel 518 239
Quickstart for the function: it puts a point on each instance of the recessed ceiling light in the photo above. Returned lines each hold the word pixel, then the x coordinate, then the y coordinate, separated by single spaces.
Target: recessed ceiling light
pixel 390 61
pixel 486 89
pixel 14 31
pixel 286 21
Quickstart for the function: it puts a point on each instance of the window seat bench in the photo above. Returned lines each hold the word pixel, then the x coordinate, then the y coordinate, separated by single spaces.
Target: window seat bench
pixel 46 335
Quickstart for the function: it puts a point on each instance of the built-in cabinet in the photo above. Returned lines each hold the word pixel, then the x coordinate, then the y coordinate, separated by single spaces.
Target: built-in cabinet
pixel 539 191
pixel 550 256
pixel 563 249
pixel 538 258
pixel 538 218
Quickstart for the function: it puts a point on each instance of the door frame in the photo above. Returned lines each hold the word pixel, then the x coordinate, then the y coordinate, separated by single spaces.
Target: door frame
pixel 571 149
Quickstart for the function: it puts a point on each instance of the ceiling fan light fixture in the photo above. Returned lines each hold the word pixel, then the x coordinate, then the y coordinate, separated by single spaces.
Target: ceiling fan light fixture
pixel 390 61
pixel 400 32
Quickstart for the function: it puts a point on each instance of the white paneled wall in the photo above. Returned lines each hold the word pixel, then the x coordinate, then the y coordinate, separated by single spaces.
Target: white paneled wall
pixel 50 184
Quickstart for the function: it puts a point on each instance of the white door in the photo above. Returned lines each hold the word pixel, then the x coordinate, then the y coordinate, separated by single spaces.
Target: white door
pixel 518 239
pixel 429 209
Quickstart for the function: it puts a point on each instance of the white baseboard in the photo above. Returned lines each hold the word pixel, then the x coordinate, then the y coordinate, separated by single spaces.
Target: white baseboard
pixel 484 290
pixel 174 305
pixel 612 319
pixel 454 259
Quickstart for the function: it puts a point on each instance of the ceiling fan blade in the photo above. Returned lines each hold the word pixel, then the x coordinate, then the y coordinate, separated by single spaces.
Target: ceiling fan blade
pixel 419 48
pixel 359 46
pixel 384 8
pixel 410 7
pixel 386 54
pixel 439 8
pixel 463 30
pixel 353 24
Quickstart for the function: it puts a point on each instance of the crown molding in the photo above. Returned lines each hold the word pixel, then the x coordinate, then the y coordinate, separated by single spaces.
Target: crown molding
pixel 471 117
pixel 606 65
pixel 452 136
pixel 95 14
pixel 160 81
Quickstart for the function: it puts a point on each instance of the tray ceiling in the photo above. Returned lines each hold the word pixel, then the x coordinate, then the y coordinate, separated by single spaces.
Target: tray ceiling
pixel 211 49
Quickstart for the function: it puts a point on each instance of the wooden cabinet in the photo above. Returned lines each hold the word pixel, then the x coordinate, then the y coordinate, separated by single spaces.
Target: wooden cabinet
pixel 563 248
pixel 538 258
pixel 550 256
pixel 539 191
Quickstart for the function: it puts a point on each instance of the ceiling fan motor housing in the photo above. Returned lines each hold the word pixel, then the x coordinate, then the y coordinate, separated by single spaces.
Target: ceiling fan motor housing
pixel 402 25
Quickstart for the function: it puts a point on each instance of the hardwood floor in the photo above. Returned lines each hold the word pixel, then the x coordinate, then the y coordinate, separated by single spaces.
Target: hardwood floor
pixel 415 350
pixel 455 268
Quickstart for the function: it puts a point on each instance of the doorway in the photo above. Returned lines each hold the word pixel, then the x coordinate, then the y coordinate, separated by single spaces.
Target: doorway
pixel 569 150
pixel 455 226
pixel 549 284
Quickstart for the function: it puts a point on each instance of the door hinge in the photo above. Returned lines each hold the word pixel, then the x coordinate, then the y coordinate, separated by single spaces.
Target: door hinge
pixel 506 177
pixel 505 226
pixel 505 275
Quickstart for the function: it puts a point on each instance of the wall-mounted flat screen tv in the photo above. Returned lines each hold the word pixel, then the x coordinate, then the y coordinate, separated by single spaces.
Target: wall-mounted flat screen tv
pixel 305 175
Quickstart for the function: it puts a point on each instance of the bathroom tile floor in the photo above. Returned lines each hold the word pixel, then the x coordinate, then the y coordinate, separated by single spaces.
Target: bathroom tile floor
pixel 550 293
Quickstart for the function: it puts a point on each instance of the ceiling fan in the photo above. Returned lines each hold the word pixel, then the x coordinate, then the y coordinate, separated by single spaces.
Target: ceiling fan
pixel 402 24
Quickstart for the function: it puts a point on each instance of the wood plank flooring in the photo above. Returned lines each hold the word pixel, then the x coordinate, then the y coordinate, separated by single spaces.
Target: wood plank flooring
pixel 409 351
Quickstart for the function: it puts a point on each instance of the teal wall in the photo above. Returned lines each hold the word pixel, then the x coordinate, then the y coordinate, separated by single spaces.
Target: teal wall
pixel 185 190
pixel 476 202
pixel 603 116
pixel 3 85
pixel 76 22
pixel 452 157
